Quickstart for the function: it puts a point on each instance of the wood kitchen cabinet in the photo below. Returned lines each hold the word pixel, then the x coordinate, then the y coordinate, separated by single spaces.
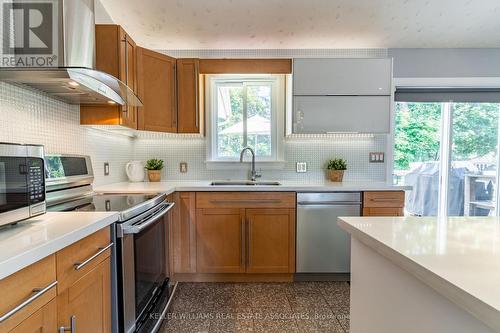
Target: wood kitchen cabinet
pixel 116 54
pixel 270 239
pixel 245 232
pixel 220 240
pixel 68 285
pixel 42 321
pixel 156 74
pixel 183 233
pixel 189 96
pixel 383 203
pixel 85 293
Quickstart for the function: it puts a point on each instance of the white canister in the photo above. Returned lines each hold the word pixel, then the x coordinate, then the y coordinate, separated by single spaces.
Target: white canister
pixel 135 171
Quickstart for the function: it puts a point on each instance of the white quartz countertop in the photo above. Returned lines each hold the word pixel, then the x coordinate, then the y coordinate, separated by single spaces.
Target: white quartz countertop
pixel 29 241
pixel 194 186
pixel 459 257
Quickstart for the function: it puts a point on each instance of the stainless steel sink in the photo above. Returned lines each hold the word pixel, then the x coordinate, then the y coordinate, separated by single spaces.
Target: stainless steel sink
pixel 243 183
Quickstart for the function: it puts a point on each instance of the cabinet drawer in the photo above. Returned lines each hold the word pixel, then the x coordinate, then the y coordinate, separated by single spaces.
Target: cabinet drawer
pixel 78 259
pixel 383 211
pixel 394 199
pixel 245 200
pixel 35 280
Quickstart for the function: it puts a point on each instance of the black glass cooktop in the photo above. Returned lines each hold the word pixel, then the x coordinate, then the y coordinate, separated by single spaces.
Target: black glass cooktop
pixel 103 203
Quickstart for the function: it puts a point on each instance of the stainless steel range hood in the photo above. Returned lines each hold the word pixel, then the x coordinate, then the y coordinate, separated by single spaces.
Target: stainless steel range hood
pixel 63 65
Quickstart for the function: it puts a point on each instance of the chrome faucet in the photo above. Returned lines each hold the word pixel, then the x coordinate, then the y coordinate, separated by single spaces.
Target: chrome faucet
pixel 253 173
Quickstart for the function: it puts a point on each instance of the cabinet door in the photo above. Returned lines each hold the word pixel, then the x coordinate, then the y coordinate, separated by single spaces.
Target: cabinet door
pixel 342 76
pixel 220 240
pixel 271 240
pixel 89 300
pixel 188 96
pixel 184 233
pixel 324 114
pixel 42 321
pixel 128 74
pixel 156 88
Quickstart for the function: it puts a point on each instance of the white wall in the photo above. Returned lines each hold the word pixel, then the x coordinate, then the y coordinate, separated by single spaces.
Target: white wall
pixel 29 116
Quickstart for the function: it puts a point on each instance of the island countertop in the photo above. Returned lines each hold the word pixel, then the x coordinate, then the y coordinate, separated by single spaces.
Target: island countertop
pixel 34 239
pixel 458 257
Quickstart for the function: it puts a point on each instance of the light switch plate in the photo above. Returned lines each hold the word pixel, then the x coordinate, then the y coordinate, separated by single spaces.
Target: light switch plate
pixel 377 157
pixel 301 167
pixel 183 167
pixel 106 168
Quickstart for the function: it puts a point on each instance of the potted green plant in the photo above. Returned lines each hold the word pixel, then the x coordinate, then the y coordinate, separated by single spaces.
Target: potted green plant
pixel 335 169
pixel 154 167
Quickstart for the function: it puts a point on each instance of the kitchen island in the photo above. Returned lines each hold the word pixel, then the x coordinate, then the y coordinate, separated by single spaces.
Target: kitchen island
pixel 436 274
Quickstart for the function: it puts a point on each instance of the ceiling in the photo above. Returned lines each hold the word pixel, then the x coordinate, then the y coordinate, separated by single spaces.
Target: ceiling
pixel 304 24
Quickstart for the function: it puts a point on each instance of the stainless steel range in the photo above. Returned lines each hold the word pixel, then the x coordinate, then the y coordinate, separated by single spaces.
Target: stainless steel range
pixel 141 288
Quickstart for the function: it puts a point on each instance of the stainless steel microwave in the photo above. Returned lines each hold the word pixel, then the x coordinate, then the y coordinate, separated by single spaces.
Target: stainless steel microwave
pixel 22 182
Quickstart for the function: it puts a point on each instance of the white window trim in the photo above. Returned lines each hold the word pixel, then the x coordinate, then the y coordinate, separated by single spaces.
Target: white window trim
pixel 444 82
pixel 277 124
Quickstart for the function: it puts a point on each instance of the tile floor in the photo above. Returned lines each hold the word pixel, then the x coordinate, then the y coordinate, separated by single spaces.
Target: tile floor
pixel 259 307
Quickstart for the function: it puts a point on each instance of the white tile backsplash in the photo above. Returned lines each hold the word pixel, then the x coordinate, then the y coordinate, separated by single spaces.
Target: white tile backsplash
pixel 313 149
pixel 29 116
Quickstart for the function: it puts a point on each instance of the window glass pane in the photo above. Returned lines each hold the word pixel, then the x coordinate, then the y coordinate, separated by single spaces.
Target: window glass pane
pixel 416 154
pixel 472 177
pixel 259 119
pixel 229 120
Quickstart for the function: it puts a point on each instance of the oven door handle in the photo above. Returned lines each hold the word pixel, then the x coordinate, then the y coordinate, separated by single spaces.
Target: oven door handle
pixel 136 228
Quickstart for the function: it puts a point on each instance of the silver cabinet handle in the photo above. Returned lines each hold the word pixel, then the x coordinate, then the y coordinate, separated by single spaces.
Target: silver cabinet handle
pixel 236 201
pixel 80 265
pixel 72 326
pixel 38 293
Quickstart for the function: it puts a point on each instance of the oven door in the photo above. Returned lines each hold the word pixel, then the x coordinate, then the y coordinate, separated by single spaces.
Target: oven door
pixel 143 264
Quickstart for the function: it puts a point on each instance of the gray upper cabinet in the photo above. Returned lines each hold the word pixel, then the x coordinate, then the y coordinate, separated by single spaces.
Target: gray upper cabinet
pixel 342 95
pixel 338 76
pixel 339 114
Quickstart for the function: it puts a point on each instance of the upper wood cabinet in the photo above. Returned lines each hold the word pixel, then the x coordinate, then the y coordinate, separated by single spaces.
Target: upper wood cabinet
pixel 157 91
pixel 116 55
pixel 189 101
pixel 336 76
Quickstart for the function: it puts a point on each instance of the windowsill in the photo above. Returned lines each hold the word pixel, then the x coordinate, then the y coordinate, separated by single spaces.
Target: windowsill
pixel 237 165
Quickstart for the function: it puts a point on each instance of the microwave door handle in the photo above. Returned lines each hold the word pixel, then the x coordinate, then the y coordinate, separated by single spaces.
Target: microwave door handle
pixel 135 229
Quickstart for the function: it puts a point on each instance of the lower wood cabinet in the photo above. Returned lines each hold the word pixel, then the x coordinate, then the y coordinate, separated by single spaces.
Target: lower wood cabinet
pixel 270 240
pixel 71 288
pixel 245 232
pixel 383 203
pixel 183 233
pixel 220 240
pixel 87 303
pixel 42 321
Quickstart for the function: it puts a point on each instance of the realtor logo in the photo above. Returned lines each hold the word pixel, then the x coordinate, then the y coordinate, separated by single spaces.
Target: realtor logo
pixel 29 33
pixel 31 25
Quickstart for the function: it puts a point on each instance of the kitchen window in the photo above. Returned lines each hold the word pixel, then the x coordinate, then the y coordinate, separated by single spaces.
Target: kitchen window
pixel 446 148
pixel 245 111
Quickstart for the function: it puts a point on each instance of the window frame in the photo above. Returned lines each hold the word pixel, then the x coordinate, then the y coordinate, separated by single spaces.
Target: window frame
pixel 277 84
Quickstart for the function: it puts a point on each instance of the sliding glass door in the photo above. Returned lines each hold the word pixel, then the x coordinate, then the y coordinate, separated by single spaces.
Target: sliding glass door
pixel 446 148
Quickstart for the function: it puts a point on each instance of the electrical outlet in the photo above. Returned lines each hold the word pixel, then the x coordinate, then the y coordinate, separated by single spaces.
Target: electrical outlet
pixel 301 167
pixel 183 167
pixel 377 157
pixel 106 168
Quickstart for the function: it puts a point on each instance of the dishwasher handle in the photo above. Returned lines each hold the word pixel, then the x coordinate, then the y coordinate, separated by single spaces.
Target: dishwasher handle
pixel 328 203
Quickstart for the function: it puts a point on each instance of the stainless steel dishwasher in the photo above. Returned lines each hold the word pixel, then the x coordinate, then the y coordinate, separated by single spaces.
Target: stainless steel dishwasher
pixel 322 246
